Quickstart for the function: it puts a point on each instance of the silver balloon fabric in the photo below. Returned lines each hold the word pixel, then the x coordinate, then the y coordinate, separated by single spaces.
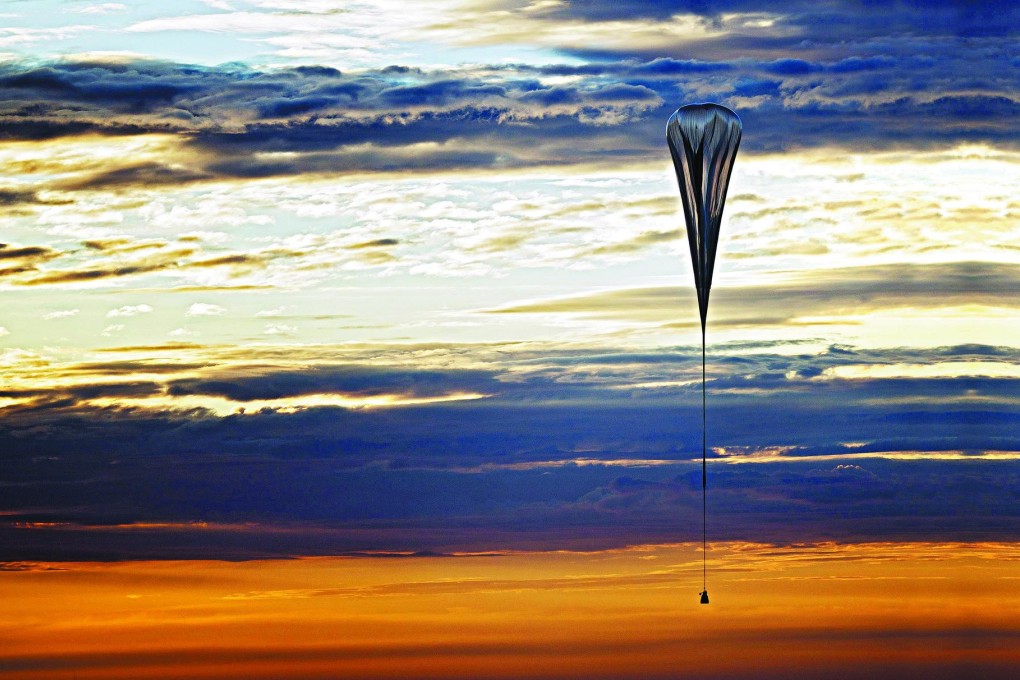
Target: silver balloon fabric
pixel 703 139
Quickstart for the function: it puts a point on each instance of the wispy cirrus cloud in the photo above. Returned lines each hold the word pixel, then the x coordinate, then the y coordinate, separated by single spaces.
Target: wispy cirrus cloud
pixel 804 296
pixel 99 8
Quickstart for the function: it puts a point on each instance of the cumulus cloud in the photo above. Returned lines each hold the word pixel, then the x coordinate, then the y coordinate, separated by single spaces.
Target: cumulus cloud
pixel 279 329
pixel 129 310
pixel 204 309
pixel 61 314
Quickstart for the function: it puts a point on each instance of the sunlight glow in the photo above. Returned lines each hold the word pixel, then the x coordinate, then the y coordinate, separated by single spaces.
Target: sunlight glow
pixel 221 406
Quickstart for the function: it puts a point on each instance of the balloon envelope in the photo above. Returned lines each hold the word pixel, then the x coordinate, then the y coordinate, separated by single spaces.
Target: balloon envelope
pixel 703 140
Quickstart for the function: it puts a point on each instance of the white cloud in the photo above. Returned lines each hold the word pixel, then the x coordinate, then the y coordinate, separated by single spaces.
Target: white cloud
pixel 181 333
pixel 277 311
pixel 236 22
pixel 207 236
pixel 204 309
pixel 310 6
pixel 4 331
pixel 129 310
pixel 14 37
pixel 163 215
pixel 61 314
pixel 110 330
pixel 102 8
pixel 279 329
pixel 356 32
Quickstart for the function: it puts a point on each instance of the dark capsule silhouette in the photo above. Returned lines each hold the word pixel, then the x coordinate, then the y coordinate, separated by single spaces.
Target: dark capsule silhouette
pixel 704 597
pixel 703 140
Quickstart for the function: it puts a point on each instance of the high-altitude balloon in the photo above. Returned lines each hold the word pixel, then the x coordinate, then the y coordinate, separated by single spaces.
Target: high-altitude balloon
pixel 703 139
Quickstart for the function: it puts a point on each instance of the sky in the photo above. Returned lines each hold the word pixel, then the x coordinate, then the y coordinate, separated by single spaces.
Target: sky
pixel 288 278
pixel 343 339
pixel 853 611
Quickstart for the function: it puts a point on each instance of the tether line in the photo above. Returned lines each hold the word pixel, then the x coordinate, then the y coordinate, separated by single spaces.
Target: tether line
pixel 704 472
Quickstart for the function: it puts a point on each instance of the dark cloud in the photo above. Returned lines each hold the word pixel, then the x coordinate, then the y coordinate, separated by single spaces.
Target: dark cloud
pixel 300 507
pixel 154 263
pixel 845 20
pixel 108 244
pixel 128 367
pixel 869 87
pixel 17 261
pixel 165 347
pixel 10 197
pixel 377 243
pixel 515 469
pixel 245 260
pixel 242 385
pixel 125 258
pixel 537 400
pixel 32 253
pixel 142 174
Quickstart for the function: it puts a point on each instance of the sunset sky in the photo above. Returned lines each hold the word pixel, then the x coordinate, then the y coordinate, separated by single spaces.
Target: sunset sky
pixel 303 279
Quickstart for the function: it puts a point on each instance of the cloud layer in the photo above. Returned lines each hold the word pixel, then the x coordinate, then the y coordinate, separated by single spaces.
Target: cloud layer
pixel 239 122
pixel 602 442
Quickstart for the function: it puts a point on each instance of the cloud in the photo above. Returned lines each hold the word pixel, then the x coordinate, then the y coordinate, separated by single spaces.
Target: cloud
pixel 129 310
pixel 32 252
pixel 599 440
pixel 204 309
pixel 19 261
pixel 836 291
pixel 162 260
pixel 572 441
pixel 21 37
pixel 351 380
pixel 233 121
pixel 279 329
pixel 61 314
pixel 101 8
pixel 827 22
pixel 554 388
pixel 190 258
pixel 375 243
pixel 141 174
